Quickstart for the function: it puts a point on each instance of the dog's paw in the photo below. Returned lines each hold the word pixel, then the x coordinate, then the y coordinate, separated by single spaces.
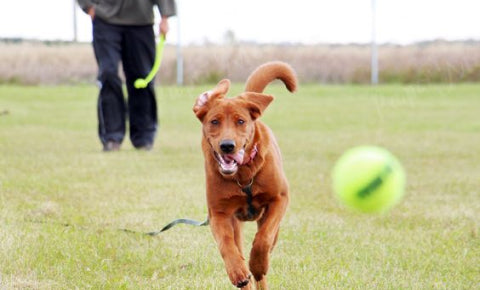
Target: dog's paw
pixel 244 283
pixel 239 276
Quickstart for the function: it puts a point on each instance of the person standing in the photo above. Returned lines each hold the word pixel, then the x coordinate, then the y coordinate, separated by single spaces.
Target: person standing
pixel 123 32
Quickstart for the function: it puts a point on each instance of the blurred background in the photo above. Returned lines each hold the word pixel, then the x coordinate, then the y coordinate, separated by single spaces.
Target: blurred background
pixel 427 41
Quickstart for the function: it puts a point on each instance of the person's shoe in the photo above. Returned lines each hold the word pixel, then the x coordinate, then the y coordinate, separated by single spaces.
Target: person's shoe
pixel 111 146
pixel 146 147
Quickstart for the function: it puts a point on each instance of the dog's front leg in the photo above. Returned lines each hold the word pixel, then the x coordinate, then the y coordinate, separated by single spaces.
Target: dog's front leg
pixel 265 239
pixel 223 229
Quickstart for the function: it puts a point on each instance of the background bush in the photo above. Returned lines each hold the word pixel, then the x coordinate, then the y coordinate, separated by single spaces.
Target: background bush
pixel 429 62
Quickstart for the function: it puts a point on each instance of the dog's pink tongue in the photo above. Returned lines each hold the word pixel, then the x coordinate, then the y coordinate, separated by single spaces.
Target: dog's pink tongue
pixel 238 157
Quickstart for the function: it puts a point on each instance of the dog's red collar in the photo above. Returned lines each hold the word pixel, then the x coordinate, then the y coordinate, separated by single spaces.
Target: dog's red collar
pixel 252 155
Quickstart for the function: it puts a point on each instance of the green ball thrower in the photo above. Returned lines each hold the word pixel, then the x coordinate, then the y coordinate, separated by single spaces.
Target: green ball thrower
pixel 143 83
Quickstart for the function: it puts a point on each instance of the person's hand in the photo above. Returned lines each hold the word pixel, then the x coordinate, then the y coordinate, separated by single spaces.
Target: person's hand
pixel 164 26
pixel 91 12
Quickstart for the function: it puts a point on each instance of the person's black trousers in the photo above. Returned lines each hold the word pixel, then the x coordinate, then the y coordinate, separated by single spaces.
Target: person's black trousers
pixel 134 46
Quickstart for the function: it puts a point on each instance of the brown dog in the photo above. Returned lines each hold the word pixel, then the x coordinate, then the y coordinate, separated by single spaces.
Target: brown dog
pixel 245 178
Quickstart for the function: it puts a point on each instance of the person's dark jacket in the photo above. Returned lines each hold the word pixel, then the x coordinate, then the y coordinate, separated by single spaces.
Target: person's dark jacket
pixel 129 12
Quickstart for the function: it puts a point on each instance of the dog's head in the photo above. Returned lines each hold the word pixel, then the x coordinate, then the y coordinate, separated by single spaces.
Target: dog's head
pixel 229 124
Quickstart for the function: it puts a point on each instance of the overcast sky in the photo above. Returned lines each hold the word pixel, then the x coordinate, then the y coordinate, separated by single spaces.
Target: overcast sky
pixel 267 21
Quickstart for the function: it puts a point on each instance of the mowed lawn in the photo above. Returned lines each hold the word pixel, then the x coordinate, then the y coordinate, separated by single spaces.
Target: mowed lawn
pixel 64 203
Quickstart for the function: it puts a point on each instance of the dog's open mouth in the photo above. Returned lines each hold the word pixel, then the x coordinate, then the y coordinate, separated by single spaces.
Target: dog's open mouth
pixel 229 162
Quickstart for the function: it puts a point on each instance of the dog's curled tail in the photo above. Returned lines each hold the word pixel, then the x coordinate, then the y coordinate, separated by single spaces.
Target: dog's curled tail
pixel 268 72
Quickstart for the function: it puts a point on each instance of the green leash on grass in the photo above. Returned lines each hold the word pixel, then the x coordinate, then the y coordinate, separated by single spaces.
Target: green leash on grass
pixel 247 189
pixel 170 225
pixel 180 221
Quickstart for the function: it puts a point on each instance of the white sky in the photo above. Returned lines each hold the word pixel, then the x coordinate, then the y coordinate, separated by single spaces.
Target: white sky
pixel 265 21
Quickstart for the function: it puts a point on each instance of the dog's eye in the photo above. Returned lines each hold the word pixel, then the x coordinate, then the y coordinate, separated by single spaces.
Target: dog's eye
pixel 240 122
pixel 214 122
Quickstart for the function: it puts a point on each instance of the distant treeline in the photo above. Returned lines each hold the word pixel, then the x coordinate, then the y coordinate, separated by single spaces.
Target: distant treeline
pixel 62 62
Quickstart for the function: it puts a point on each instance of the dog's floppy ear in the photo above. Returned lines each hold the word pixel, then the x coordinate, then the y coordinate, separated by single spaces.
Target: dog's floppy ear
pixel 257 103
pixel 201 104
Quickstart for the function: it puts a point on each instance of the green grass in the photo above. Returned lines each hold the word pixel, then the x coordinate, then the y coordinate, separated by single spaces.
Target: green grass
pixel 52 173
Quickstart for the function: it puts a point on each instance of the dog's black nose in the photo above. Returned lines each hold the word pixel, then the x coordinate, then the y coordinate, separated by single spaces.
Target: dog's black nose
pixel 227 146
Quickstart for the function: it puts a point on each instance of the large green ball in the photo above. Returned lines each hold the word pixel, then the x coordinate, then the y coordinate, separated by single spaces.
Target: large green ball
pixel 369 179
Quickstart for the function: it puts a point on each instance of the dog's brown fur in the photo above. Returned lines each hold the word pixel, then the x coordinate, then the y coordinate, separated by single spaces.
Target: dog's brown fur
pixel 239 150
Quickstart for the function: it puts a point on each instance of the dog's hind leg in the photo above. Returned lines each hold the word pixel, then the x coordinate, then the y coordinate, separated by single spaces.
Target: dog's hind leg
pixel 262 284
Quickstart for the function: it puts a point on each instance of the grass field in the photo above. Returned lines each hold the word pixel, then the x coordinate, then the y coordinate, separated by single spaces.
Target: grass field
pixel 63 201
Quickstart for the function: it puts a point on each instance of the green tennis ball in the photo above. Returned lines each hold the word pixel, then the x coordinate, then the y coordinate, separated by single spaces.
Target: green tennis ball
pixel 369 179
pixel 140 84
